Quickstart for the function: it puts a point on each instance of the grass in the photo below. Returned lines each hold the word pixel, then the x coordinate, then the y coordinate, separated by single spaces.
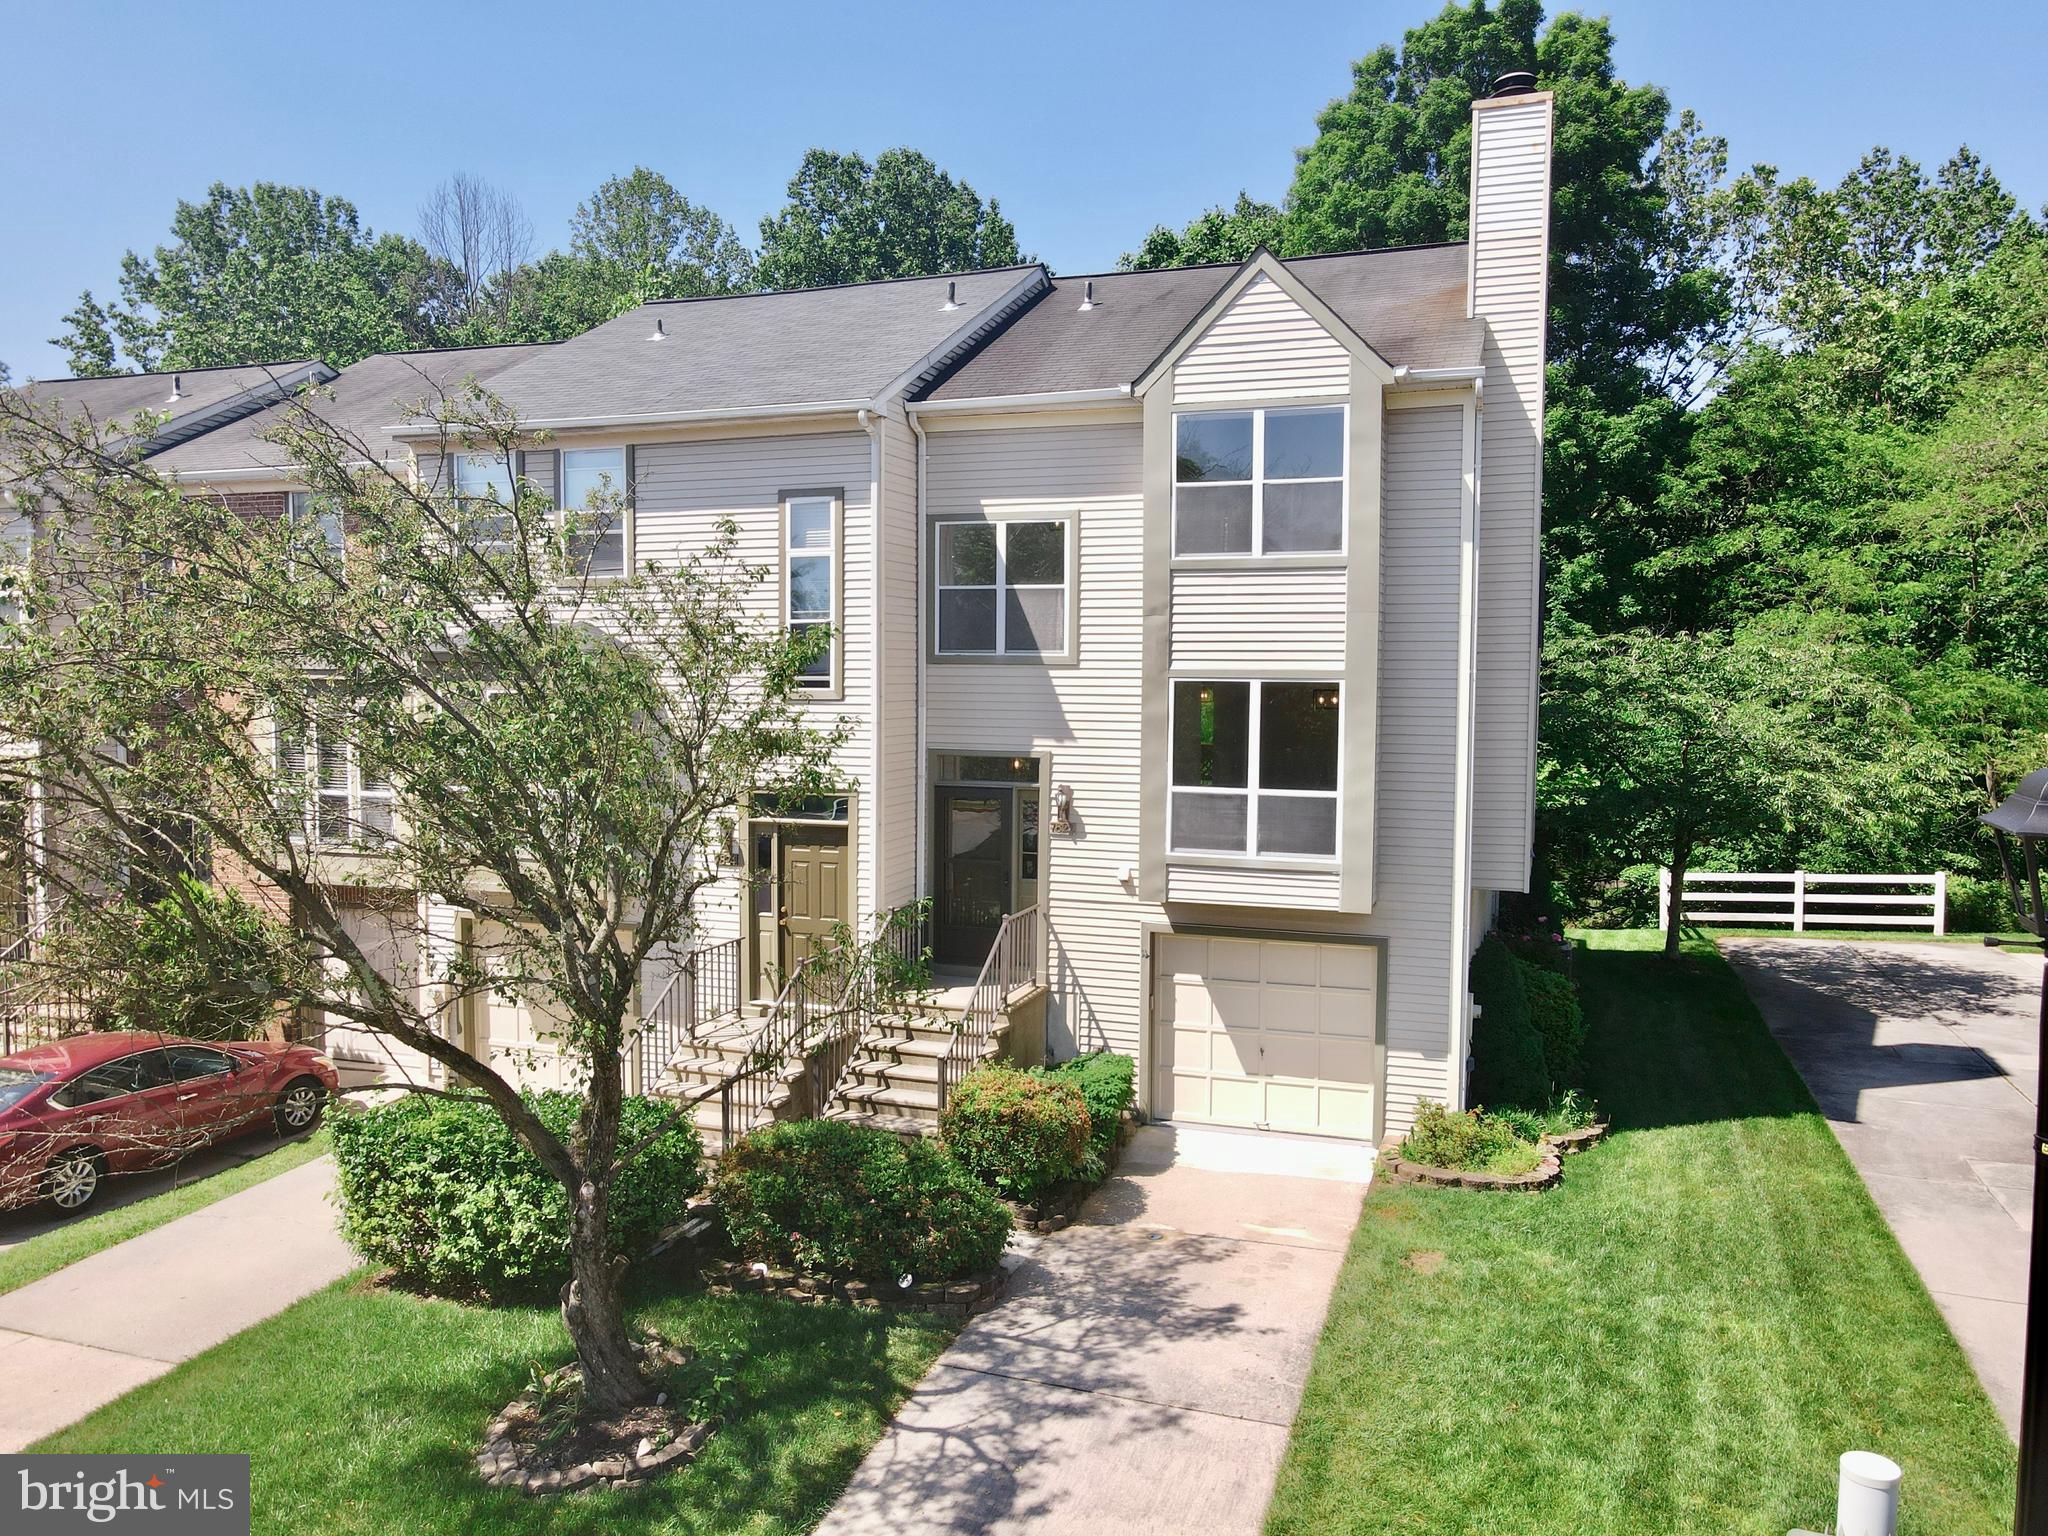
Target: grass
pixel 1683 1336
pixel 48 1252
pixel 361 1409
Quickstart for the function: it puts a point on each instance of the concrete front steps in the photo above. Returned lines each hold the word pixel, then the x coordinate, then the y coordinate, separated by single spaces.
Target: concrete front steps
pixel 894 1079
pixel 701 1067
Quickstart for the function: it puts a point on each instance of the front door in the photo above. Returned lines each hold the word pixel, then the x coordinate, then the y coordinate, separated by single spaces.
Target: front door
pixel 811 890
pixel 974 874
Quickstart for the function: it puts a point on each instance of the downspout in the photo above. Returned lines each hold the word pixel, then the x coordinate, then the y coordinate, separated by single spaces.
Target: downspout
pixel 1461 823
pixel 871 820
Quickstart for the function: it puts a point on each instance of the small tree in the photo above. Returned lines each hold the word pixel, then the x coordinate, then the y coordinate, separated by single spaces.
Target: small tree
pixel 445 712
pixel 1658 746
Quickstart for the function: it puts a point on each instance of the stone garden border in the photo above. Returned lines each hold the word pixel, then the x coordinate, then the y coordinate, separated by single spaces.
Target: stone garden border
pixel 1396 1169
pixel 1060 1208
pixel 501 1462
pixel 939 1298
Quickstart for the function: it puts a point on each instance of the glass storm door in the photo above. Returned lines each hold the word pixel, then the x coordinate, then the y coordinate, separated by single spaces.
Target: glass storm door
pixel 974 874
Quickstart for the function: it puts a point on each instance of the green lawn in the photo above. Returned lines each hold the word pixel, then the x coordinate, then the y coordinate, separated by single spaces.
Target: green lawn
pixel 362 1408
pixel 47 1252
pixel 1681 1338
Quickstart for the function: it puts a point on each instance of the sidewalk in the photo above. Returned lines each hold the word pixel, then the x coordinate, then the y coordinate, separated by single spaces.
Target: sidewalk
pixel 1144 1366
pixel 81 1337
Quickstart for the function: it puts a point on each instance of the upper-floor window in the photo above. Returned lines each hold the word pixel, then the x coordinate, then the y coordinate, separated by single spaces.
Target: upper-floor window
pixel 1002 588
pixel 593 483
pixel 1267 482
pixel 1255 768
pixel 308 509
pixel 352 805
pixel 810 557
pixel 483 483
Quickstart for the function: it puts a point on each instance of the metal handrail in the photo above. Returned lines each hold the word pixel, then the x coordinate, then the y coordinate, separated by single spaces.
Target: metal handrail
pixel 705 986
pixel 900 932
pixel 1012 963
pixel 748 1093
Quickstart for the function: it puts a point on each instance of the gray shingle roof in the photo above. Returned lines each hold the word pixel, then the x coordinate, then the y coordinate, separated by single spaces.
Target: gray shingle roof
pixel 364 400
pixel 1408 302
pixel 749 350
pixel 206 396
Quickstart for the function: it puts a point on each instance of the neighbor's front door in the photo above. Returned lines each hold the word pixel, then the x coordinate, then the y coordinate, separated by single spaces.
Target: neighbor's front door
pixel 974 873
pixel 811 892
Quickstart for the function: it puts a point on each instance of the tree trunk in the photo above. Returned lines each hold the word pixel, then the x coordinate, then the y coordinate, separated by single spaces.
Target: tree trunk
pixel 593 1311
pixel 1681 855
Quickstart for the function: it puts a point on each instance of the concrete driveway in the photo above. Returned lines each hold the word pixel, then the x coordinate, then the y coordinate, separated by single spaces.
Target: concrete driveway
pixel 81 1337
pixel 1925 1059
pixel 1144 1366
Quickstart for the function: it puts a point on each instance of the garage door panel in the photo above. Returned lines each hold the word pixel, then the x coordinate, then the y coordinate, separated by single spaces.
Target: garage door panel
pixel 1266 1032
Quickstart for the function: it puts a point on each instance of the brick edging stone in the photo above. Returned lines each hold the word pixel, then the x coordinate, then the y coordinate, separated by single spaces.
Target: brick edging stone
pixel 1396 1169
pixel 940 1298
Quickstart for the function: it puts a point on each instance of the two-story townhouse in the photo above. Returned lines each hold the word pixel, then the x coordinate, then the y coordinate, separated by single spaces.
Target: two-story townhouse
pixel 1191 613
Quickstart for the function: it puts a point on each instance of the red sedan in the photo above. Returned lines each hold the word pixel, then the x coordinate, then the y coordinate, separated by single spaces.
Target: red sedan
pixel 76 1110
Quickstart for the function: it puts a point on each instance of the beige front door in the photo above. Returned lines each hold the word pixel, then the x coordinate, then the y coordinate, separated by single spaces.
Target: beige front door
pixel 803 903
pixel 1277 1034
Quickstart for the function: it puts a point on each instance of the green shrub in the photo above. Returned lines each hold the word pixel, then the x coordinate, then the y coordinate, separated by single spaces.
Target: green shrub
pixel 1627 901
pixel 445 1194
pixel 1109 1084
pixel 856 1202
pixel 1507 1054
pixel 1476 1143
pixel 1569 1111
pixel 200 961
pixel 1020 1133
pixel 1560 1022
pixel 1978 906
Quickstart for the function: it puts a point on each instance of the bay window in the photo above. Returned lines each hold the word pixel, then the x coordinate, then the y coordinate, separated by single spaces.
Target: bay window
pixel 1254 768
pixel 1002 588
pixel 593 485
pixel 1267 482
pixel 810 555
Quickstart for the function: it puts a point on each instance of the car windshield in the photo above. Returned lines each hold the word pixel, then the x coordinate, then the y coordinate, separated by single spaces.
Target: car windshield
pixel 17 1084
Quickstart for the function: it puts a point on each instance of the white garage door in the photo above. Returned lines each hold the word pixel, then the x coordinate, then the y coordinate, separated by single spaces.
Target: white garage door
pixel 1273 1033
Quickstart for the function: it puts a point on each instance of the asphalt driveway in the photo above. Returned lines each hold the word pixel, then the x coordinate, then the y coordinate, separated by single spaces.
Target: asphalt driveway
pixel 1144 1365
pixel 1925 1060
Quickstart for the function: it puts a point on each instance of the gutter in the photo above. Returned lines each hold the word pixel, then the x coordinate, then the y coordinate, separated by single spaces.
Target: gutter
pixel 1049 400
pixel 1425 378
pixel 410 429
pixel 917 842
pixel 1462 789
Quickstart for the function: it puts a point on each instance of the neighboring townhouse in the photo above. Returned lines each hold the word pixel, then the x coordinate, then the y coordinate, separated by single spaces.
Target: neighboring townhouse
pixel 1185 623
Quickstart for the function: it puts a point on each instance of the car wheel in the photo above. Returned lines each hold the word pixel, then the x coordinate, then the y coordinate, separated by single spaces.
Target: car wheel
pixel 299 1106
pixel 74 1179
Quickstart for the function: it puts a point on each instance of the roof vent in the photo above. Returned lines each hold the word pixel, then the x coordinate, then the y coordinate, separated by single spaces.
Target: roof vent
pixel 952 296
pixel 1516 82
pixel 177 394
pixel 660 332
pixel 1088 296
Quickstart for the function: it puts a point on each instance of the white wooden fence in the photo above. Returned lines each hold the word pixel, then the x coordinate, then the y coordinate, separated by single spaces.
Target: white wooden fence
pixel 1803 900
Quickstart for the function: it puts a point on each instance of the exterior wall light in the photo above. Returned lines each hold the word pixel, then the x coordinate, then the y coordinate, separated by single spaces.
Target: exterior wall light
pixel 1062 818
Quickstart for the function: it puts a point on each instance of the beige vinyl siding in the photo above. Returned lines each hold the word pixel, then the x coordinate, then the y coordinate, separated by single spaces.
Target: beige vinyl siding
pixel 892 807
pixel 683 490
pixel 1240 618
pixel 1085 715
pixel 1424 488
pixel 539 467
pixel 1220 885
pixel 1263 346
pixel 1510 248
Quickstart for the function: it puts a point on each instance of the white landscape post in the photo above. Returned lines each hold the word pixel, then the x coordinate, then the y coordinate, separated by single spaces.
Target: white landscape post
pixel 1799 901
pixel 1663 899
pixel 1867 1499
pixel 1940 902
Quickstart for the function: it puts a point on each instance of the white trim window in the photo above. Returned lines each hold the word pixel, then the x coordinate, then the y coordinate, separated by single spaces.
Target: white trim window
pixel 350 806
pixel 1267 482
pixel 484 475
pixel 303 509
pixel 1003 588
pixel 593 485
pixel 1255 768
pixel 810 559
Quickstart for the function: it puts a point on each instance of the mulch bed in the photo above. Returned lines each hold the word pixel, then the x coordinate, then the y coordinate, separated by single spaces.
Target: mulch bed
pixel 539 1450
pixel 940 1298
pixel 1396 1169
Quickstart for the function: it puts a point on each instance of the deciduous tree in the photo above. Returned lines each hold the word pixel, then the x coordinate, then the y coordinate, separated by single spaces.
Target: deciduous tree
pixel 848 221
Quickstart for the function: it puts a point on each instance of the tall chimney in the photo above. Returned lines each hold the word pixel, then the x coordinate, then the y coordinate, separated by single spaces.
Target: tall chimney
pixel 1508 290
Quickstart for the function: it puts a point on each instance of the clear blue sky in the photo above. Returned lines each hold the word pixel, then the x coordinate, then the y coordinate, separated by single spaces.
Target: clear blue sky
pixel 1090 128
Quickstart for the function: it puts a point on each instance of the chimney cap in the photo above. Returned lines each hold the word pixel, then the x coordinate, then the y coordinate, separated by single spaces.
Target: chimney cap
pixel 1516 82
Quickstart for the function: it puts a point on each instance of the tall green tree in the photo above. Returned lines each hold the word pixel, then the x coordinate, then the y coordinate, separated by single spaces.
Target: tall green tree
pixel 848 221
pixel 641 227
pixel 264 274
pixel 1221 234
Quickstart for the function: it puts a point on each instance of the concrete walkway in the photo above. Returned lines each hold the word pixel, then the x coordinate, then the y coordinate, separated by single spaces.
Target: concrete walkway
pixel 1925 1059
pixel 1144 1365
pixel 81 1337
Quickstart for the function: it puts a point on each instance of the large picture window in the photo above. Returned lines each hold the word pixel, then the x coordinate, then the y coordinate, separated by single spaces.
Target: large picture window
pixel 593 481
pixel 811 562
pixel 483 484
pixel 1002 589
pixel 1255 768
pixel 1268 482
